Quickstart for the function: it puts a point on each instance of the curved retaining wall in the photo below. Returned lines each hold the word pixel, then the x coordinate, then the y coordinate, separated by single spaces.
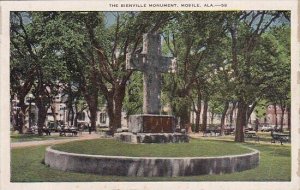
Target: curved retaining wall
pixel 149 166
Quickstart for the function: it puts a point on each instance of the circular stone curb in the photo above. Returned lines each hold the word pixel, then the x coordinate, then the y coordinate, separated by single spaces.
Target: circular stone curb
pixel 150 166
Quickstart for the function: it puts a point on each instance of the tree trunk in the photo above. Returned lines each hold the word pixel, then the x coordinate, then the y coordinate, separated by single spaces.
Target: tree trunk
pixel 185 116
pixel 21 114
pixel 289 118
pixel 75 118
pixel 282 118
pixel 21 121
pixel 197 110
pixel 42 113
pixel 275 112
pixel 231 114
pixel 197 122
pixel 250 110
pixel 240 121
pixel 256 125
pixel 53 110
pixel 92 101
pixel 114 106
pixel 93 116
pixel 71 116
pixel 118 113
pixel 212 117
pixel 110 110
pixel 204 116
pixel 223 117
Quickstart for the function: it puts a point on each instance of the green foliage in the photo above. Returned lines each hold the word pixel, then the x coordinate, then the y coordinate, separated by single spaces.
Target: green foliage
pixel 278 85
pixel 133 102
pixel 80 49
pixel 216 106
pixel 261 109
pixel 191 38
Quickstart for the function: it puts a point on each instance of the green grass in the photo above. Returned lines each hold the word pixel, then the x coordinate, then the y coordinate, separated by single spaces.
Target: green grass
pixel 32 137
pixel 114 148
pixel 27 166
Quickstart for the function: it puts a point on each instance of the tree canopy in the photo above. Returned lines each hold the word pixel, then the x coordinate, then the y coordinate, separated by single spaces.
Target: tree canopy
pixel 223 58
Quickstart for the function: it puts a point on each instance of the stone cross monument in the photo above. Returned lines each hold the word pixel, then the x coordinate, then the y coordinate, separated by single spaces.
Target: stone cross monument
pixel 152 64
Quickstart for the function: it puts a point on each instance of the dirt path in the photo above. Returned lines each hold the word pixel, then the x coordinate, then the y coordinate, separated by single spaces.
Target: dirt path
pixel 84 136
pixel 231 139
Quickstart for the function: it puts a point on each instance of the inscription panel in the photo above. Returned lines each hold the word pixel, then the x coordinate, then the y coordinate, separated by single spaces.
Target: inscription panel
pixel 157 124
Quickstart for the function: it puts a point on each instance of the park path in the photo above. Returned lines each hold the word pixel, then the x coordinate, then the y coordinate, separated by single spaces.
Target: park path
pixel 231 139
pixel 83 136
pixel 86 136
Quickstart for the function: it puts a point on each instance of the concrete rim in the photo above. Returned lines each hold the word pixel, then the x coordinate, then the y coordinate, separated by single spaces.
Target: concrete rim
pixel 150 166
pixel 253 151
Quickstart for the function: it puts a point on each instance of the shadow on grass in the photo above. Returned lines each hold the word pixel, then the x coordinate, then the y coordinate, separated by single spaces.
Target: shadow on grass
pixel 33 137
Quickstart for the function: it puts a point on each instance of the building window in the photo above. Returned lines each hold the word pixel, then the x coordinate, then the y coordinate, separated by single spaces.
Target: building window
pixel 102 117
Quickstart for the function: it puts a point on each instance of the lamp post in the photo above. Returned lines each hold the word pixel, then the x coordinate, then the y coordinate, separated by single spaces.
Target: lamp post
pixel 30 98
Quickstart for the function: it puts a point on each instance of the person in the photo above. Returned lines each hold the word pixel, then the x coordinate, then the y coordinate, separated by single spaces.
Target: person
pixel 90 129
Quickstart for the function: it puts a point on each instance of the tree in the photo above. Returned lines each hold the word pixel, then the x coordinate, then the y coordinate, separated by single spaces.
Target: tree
pixel 99 53
pixel 246 30
pixel 277 45
pixel 22 67
pixel 190 38
pixel 45 64
pixel 125 38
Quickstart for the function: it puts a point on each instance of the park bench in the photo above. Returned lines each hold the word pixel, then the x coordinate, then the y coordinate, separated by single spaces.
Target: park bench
pixel 229 131
pixel 29 132
pixel 280 137
pixel 73 132
pixel 212 132
pixel 46 131
pixel 251 135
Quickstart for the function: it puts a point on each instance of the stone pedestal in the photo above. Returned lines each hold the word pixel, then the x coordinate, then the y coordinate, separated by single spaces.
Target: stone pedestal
pixel 152 137
pixel 151 123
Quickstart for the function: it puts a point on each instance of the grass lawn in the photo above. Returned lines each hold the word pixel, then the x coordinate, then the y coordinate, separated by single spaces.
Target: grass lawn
pixel 15 137
pixel 275 165
pixel 114 148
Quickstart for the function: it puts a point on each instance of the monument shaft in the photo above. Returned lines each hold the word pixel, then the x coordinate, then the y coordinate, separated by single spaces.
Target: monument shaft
pixel 152 64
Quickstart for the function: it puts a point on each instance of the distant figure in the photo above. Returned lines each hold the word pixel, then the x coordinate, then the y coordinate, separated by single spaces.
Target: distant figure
pixel 90 129
pixel 46 130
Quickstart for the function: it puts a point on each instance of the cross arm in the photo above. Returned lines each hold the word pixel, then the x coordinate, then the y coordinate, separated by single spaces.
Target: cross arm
pixel 167 64
pixel 135 61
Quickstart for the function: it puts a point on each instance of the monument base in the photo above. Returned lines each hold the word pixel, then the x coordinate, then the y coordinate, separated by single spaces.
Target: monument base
pixel 151 123
pixel 152 137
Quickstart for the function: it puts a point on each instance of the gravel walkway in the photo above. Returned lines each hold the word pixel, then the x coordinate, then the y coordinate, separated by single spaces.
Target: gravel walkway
pixel 83 136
